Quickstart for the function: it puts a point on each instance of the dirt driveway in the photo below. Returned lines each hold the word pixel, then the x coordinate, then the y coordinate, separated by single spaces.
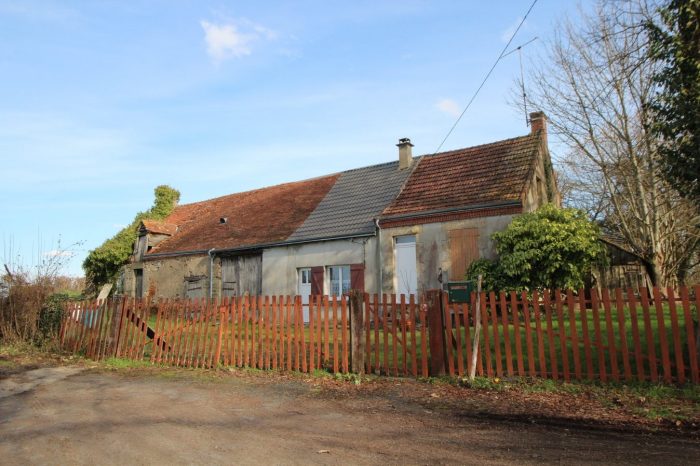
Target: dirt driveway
pixel 100 417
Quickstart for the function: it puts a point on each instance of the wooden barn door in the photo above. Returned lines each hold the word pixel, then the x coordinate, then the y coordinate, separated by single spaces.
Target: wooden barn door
pixel 241 275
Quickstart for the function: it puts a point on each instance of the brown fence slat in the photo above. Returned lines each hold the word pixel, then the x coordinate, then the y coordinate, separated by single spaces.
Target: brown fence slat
pixel 636 341
pixel 496 336
pixel 377 342
pixel 648 331
pixel 506 334
pixel 368 333
pixel 573 331
pixel 610 331
pixel 551 345
pixel 394 342
pixel 447 318
pixel 335 335
pixel 598 335
pixel 583 315
pixel 678 351
pixel 458 328
pixel 540 336
pixel 516 333
pixel 663 340
pixel 412 311
pixel 385 334
pixel 622 332
pixel 562 336
pixel 528 336
pixel 404 342
pixel 467 330
pixel 485 335
pixel 344 332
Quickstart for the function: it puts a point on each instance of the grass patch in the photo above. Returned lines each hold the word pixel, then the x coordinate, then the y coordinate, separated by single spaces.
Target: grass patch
pixel 120 363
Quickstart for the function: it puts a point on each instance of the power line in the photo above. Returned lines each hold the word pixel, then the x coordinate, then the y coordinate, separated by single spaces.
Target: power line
pixel 500 56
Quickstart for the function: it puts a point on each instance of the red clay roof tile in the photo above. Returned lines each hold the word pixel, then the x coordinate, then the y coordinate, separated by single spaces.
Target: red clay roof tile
pixel 156 226
pixel 261 216
pixel 476 175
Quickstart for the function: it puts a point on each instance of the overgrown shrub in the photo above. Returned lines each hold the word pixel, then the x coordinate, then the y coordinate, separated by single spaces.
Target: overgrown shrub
pixel 550 248
pixel 31 299
pixel 103 263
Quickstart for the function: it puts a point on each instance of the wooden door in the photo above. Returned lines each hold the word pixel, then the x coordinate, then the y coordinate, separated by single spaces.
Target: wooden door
pixel 464 249
pixel 241 275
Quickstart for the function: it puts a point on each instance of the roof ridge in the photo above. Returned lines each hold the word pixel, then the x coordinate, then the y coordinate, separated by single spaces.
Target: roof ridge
pixel 479 146
pixel 287 183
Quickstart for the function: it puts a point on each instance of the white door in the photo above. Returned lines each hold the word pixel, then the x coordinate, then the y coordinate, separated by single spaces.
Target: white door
pixel 305 290
pixel 406 276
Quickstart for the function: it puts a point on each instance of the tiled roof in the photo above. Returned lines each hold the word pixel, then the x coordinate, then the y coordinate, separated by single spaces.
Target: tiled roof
pixel 158 227
pixel 352 204
pixel 479 175
pixel 262 216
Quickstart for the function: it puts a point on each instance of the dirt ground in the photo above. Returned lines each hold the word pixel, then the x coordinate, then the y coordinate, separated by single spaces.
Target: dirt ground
pixel 79 415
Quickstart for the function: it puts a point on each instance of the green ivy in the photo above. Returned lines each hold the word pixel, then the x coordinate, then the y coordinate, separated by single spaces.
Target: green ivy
pixel 103 263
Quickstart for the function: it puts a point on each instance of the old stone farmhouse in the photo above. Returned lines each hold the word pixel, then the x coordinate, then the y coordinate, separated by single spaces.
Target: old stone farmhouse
pixel 399 227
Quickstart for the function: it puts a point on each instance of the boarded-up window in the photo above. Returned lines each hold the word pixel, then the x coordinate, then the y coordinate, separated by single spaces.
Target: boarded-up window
pixel 194 287
pixel 464 248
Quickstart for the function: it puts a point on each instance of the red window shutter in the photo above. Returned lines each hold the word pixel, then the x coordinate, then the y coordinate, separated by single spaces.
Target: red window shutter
pixel 316 281
pixel 357 277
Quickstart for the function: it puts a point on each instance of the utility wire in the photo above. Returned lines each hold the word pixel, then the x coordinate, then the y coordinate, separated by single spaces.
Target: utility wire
pixel 500 56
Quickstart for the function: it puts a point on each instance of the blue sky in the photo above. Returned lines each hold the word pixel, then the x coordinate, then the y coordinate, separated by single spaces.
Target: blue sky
pixel 102 101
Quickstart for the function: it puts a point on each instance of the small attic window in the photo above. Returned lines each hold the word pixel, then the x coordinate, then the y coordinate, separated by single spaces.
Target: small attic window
pixel 223 220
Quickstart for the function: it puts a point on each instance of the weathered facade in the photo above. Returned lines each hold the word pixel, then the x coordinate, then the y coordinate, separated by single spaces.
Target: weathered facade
pixel 398 227
pixel 452 204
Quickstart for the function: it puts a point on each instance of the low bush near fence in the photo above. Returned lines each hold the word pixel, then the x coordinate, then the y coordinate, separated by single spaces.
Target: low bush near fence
pixel 589 335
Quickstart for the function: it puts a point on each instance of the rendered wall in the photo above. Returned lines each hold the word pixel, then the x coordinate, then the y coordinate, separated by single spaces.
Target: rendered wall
pixel 280 264
pixel 433 248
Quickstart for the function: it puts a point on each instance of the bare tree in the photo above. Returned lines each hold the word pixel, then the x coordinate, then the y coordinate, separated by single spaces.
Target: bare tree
pixel 595 83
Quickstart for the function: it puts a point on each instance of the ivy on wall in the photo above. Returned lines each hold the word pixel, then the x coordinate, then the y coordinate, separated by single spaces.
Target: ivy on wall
pixel 102 264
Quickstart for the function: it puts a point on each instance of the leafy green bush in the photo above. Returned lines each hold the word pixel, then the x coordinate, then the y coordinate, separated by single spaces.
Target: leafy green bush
pixel 550 248
pixel 491 275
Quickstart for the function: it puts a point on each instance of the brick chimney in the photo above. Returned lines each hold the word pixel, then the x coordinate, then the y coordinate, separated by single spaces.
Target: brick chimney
pixel 405 153
pixel 538 121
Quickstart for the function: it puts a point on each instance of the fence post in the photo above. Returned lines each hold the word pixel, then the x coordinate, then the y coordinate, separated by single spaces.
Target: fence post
pixel 217 357
pixel 357 342
pixel 436 330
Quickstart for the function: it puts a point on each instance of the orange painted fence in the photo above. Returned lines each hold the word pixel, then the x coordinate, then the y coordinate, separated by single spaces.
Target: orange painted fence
pixel 592 334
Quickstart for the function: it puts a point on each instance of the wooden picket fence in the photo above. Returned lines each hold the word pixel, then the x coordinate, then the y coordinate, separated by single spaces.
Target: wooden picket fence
pixel 592 334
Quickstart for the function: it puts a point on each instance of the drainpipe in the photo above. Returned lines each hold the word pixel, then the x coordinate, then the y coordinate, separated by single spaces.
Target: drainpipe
pixel 379 256
pixel 211 272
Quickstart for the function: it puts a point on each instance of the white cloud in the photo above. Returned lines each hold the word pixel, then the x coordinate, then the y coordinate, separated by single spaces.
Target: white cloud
pixel 448 106
pixel 505 35
pixel 230 40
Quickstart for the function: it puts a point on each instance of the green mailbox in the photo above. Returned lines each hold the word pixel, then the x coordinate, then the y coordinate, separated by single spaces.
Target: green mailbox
pixel 460 292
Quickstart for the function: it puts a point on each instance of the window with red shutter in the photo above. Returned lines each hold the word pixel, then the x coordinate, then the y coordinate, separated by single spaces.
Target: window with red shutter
pixel 357 277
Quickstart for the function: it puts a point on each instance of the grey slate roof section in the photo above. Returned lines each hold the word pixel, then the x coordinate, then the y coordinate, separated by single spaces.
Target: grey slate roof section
pixel 354 201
